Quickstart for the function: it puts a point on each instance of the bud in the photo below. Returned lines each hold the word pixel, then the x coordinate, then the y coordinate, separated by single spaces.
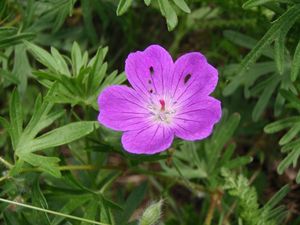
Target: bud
pixel 152 214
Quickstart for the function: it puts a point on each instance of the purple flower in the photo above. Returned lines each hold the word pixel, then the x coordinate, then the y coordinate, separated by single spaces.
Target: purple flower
pixel 166 100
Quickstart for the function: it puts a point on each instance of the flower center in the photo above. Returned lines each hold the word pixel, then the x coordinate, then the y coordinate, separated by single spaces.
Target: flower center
pixel 162 110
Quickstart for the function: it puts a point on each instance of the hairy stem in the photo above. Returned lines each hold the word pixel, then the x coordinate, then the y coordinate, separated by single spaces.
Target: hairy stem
pixel 51 212
pixel 5 163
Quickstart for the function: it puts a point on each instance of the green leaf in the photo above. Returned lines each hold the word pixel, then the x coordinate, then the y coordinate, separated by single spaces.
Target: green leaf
pixel 296 63
pixel 46 164
pixel 21 68
pixel 228 152
pixel 249 77
pixel 59 136
pixel 9 76
pixel 280 46
pixel 287 19
pixel 40 118
pixel 279 53
pixel 237 162
pixel 123 6
pixel 89 27
pixel 98 69
pixel 106 214
pixel 225 131
pixel 17 168
pixel 288 160
pixel 247 204
pixel 147 2
pixel 91 211
pixel 281 124
pixel 70 206
pixel 277 197
pixel 292 98
pixel 16 118
pixel 87 81
pixel 5 124
pixel 182 5
pixel 39 200
pixel 253 3
pixel 265 97
pixel 290 146
pixel 62 66
pixel 169 13
pixel 15 39
pixel 132 202
pixel 76 58
pixel 246 42
pixel 42 56
pixel 59 10
pixel 290 134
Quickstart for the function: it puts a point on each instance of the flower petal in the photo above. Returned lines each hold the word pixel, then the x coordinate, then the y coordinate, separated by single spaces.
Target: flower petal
pixel 197 117
pixel 193 74
pixel 121 108
pixel 149 140
pixel 149 71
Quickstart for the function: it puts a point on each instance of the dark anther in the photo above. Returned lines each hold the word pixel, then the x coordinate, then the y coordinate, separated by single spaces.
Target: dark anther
pixel 149 82
pixel 151 91
pixel 186 78
pixel 151 70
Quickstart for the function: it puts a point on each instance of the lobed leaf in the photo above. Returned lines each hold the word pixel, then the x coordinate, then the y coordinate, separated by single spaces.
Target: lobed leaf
pixel 59 136
pixel 42 56
pixel 46 164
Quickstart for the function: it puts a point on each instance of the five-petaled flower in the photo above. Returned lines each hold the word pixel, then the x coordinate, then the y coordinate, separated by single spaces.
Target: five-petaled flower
pixel 167 99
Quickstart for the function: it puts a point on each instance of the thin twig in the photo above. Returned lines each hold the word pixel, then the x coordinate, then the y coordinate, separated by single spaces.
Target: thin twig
pixel 211 210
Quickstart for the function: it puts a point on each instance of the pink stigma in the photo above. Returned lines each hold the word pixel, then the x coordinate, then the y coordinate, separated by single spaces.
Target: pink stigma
pixel 163 104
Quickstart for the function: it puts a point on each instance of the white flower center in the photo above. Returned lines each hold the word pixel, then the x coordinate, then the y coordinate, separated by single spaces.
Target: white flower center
pixel 162 110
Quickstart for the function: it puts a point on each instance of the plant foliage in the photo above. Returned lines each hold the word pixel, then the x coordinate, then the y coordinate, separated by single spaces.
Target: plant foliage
pixel 59 166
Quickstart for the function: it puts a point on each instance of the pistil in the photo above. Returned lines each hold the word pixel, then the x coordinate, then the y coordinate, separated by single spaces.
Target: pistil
pixel 163 105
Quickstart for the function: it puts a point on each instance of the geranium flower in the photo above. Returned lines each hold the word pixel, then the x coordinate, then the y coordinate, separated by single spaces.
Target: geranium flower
pixel 166 100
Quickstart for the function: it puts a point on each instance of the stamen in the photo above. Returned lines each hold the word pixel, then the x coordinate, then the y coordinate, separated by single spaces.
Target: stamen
pixel 163 105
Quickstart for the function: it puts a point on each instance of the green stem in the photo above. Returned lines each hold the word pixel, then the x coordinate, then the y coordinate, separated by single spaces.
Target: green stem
pixel 52 212
pixel 182 30
pixel 3 178
pixel 5 163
